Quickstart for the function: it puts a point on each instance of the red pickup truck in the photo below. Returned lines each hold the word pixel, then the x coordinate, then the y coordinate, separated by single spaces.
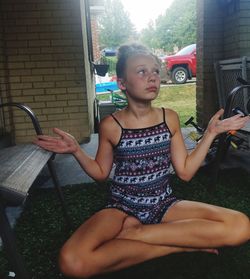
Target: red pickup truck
pixel 182 65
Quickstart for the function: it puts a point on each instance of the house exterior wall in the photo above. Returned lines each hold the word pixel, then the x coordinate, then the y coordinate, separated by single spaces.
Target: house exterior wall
pixel 1 70
pixel 209 50
pixel 95 39
pixel 46 64
pixel 237 30
pixel 223 33
pixel 96 9
pixel 6 117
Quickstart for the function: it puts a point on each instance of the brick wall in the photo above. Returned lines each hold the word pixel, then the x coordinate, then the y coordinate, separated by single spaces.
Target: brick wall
pixel 4 117
pixel 231 35
pixel 237 29
pixel 95 39
pixel 1 70
pixel 45 64
pixel 244 28
pixel 223 33
pixel 209 50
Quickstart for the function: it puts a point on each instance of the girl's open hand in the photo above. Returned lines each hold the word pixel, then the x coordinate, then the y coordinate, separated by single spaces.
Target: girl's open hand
pixel 63 143
pixel 217 126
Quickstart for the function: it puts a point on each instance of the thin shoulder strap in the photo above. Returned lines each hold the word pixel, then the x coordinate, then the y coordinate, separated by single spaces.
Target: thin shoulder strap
pixel 164 119
pixel 116 120
pixel 163 112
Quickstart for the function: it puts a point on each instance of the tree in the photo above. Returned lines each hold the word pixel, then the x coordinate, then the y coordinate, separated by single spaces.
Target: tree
pixel 175 28
pixel 148 36
pixel 116 27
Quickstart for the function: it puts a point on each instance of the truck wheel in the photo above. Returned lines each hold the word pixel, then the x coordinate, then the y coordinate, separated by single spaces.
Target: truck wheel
pixel 179 75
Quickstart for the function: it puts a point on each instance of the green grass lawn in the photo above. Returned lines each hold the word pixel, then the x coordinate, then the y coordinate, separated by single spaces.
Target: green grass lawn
pixel 41 231
pixel 181 98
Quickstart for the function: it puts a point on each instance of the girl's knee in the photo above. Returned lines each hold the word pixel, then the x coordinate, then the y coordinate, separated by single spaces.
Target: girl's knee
pixel 239 229
pixel 76 266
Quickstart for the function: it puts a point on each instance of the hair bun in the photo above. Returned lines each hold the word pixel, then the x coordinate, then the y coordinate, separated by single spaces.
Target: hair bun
pixel 127 50
pixel 130 50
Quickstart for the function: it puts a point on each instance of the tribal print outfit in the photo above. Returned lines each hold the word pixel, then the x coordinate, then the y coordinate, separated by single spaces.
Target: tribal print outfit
pixel 140 185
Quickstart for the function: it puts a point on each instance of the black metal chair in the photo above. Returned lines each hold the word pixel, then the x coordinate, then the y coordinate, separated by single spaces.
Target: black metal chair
pixel 239 99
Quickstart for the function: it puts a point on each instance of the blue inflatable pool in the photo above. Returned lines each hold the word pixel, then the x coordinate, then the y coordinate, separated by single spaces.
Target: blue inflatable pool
pixel 106 86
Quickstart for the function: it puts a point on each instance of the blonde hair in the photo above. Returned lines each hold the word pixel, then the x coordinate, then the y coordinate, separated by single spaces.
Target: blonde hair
pixel 130 50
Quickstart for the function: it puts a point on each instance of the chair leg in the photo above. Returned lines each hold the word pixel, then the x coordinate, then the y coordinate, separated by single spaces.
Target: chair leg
pixel 59 192
pixel 9 243
pixel 222 149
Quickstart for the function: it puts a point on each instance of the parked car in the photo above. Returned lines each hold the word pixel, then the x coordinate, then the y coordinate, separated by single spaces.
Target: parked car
pixel 108 52
pixel 182 65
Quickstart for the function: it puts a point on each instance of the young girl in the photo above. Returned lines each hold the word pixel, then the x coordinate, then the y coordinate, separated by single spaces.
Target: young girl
pixel 143 220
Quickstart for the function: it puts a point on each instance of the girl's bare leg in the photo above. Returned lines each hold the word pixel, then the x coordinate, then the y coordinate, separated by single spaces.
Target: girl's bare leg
pixel 193 224
pixel 94 248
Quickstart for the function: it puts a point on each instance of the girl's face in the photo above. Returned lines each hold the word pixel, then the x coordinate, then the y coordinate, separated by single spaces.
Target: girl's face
pixel 142 78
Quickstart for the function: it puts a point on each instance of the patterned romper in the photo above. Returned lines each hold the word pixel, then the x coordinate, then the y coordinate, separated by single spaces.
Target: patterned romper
pixel 140 185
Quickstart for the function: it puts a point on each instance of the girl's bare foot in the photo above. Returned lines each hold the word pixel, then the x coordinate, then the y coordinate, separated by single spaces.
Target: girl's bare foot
pixel 129 225
pixel 129 222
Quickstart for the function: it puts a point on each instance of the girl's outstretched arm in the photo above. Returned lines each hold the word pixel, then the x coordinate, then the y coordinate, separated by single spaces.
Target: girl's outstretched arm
pixel 98 168
pixel 186 164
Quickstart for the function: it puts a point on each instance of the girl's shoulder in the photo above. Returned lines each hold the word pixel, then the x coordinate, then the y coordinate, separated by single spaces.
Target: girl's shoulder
pixel 172 120
pixel 171 114
pixel 109 129
pixel 108 123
